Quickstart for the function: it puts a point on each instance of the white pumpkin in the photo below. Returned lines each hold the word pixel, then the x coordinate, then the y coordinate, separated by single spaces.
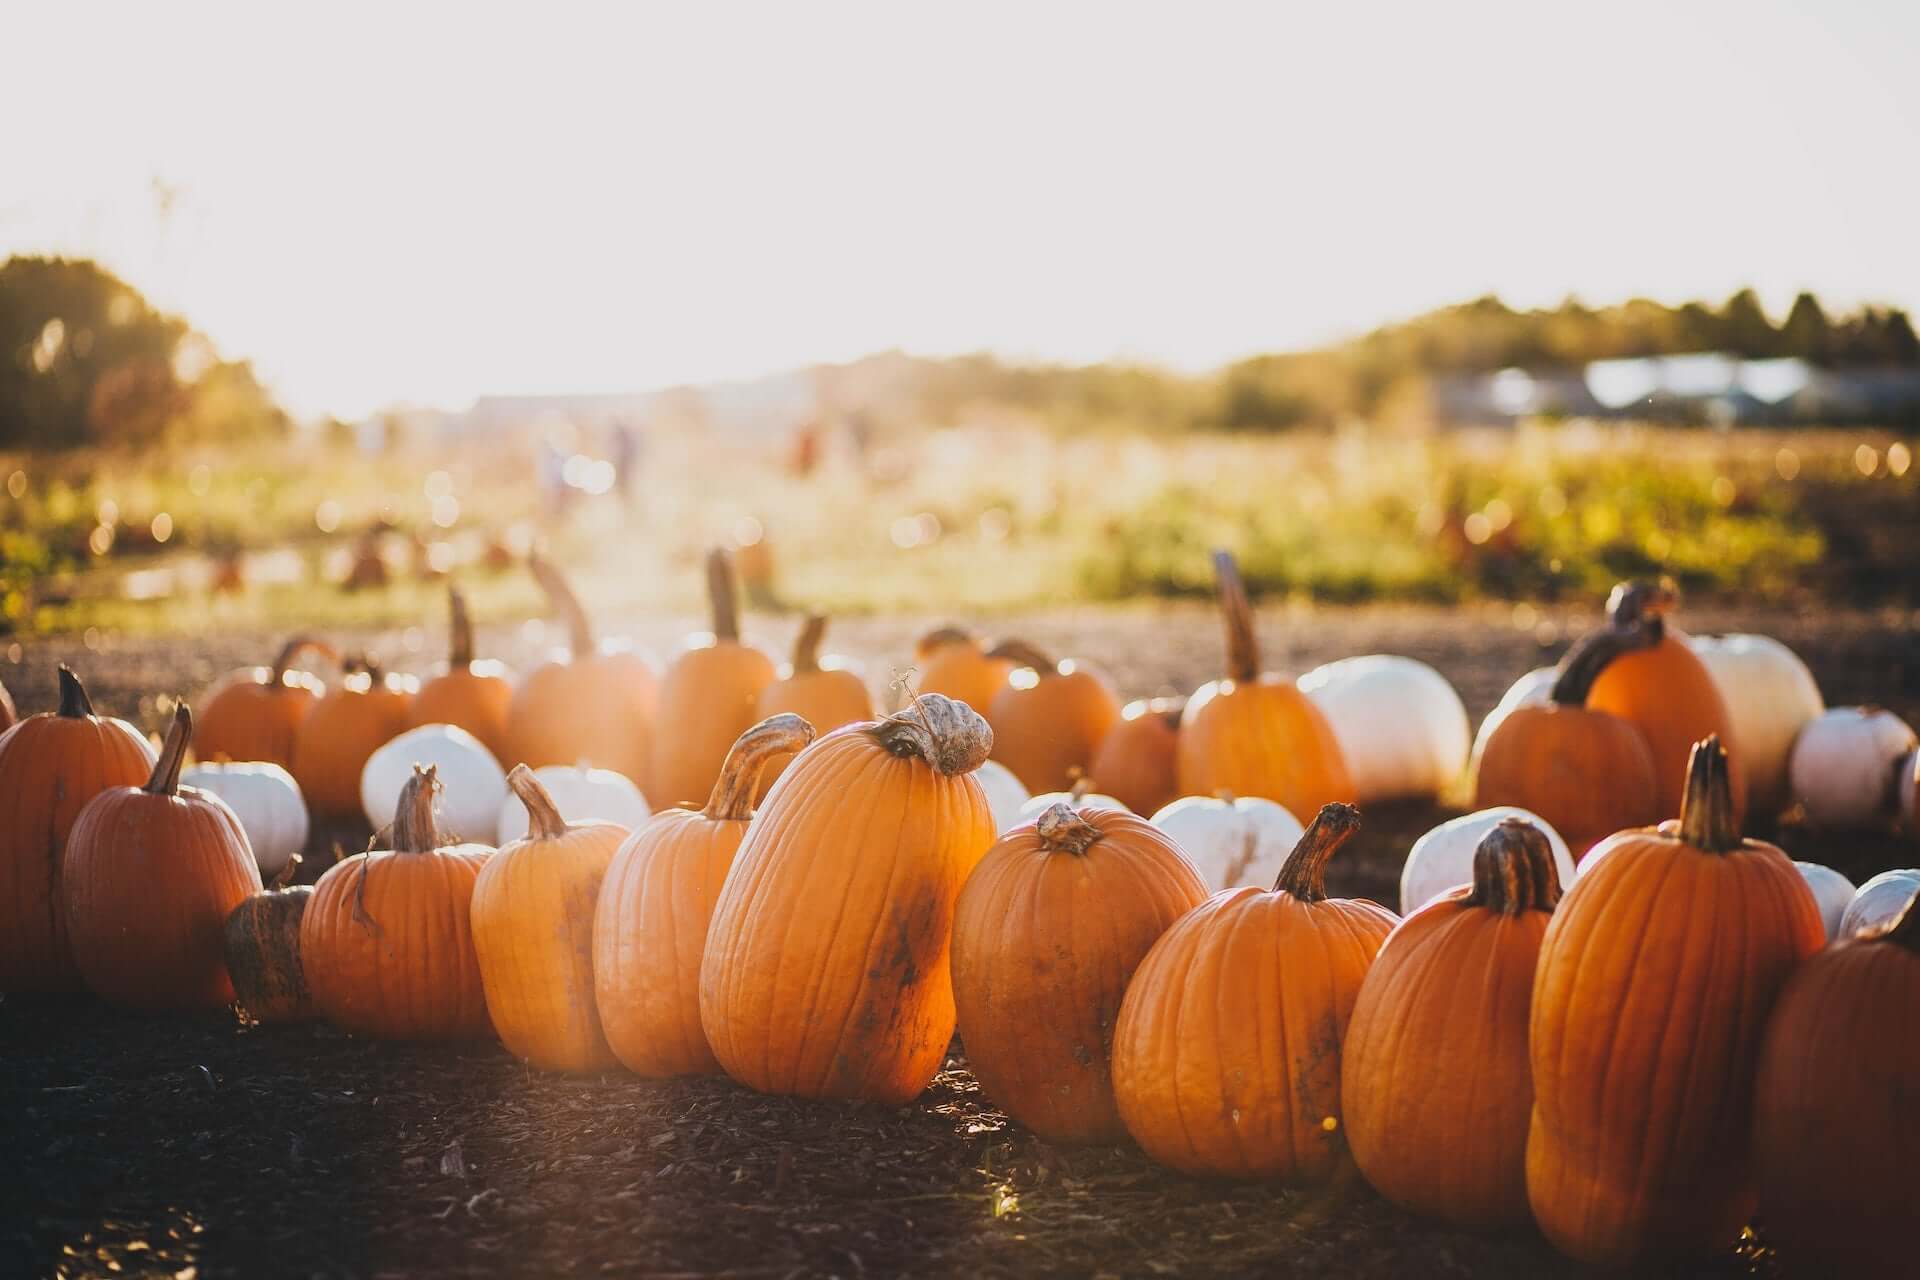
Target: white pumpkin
pixel 1037 805
pixel 1833 891
pixel 268 803
pixel 1880 901
pixel 1442 859
pixel 582 794
pixel 472 784
pixel 1847 764
pixel 1006 795
pixel 1400 725
pixel 1232 842
pixel 1770 696
pixel 1530 690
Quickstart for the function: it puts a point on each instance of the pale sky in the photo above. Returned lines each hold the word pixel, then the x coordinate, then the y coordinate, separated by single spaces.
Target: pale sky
pixel 397 202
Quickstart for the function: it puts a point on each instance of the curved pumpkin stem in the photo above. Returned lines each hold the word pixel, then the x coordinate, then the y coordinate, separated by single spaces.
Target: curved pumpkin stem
pixel 288 870
pixel 941 637
pixel 1023 654
pixel 414 830
pixel 1906 930
pixel 723 596
pixel 1305 874
pixel 290 653
pixel 806 647
pixel 165 780
pixel 1594 653
pixel 1082 784
pixel 951 736
pixel 1633 603
pixel 560 598
pixel 1513 870
pixel 782 735
pixel 1062 830
pixel 1706 806
pixel 1243 650
pixel 543 816
pixel 74 702
pixel 459 630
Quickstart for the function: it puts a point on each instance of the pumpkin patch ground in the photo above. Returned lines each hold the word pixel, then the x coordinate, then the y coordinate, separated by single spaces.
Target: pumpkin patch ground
pixel 202 1146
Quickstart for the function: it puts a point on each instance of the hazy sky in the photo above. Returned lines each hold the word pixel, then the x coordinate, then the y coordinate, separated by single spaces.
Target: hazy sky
pixel 396 202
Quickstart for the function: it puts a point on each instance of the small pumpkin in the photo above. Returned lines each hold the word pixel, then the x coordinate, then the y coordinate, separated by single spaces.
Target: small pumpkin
pixel 1255 734
pixel 1226 1054
pixel 1050 717
pixel 150 875
pixel 1878 901
pixel 51 765
pixel 268 803
pixel 707 698
pixel 533 930
pixel 474 694
pixel 262 937
pixel 1832 893
pixel 1435 1085
pixel 387 941
pixel 1046 934
pixel 254 713
pixel 342 731
pixel 472 787
pixel 1848 766
pixel 826 972
pixel 1139 762
pixel 1235 841
pixel 1402 728
pixel 1445 857
pixel 1770 696
pixel 597 795
pixel 650 926
pixel 953 662
pixel 826 694
pixel 1006 798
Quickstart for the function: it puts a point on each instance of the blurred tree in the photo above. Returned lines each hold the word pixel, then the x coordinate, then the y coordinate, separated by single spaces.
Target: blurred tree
pixel 1807 333
pixel 1747 331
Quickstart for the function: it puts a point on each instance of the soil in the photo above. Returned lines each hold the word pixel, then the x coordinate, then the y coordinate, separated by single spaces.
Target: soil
pixel 209 1147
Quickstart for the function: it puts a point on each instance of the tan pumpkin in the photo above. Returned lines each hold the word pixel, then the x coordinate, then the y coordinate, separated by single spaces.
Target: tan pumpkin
pixel 472 694
pixel 1139 762
pixel 263 951
pixel 825 694
pixel 1049 717
pixel 335 738
pixel 707 698
pixel 953 662
pixel 253 714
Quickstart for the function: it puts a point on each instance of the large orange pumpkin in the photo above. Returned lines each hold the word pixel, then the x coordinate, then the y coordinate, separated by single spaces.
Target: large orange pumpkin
pixel 1655 980
pixel 387 941
pixel 263 951
pixel 51 765
pixel 953 662
pixel 1434 1077
pixel 253 713
pixel 650 927
pixel 533 929
pixel 335 738
pixel 707 698
pixel 150 875
pixel 1226 1055
pixel 1139 763
pixel 1254 733
pixel 1049 718
pixel 826 973
pixel 1046 934
pixel 825 696
pixel 475 695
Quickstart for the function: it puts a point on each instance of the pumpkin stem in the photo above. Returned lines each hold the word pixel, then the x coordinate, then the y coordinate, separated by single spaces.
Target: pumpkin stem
pixel 1023 654
pixel 1634 603
pixel 951 736
pixel 782 735
pixel 941 637
pixel 290 653
pixel 287 871
pixel 543 816
pixel 1594 653
pixel 459 631
pixel 1305 873
pixel 806 648
pixel 1906 929
pixel 723 596
pixel 165 780
pixel 414 830
pixel 1243 650
pixel 1706 806
pixel 1082 784
pixel 1513 870
pixel 561 600
pixel 74 702
pixel 1062 830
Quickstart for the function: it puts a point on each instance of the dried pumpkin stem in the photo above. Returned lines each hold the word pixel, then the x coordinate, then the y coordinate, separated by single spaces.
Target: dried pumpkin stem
pixel 459 630
pixel 563 601
pixel 1646 603
pixel 1061 830
pixel 74 702
pixel 1082 785
pixel 781 735
pixel 165 780
pixel 806 647
pixel 414 830
pixel 288 870
pixel 1243 650
pixel 941 637
pixel 1305 874
pixel 1023 654
pixel 543 816
pixel 290 653
pixel 1906 930
pixel 1706 806
pixel 949 735
pixel 1594 653
pixel 1513 870
pixel 723 596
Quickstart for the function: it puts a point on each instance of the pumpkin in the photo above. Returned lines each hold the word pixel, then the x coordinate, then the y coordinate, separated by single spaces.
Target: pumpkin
pixel 262 944
pixel 268 803
pixel 1402 729
pixel 1586 773
pixel 1256 734
pixel 533 929
pixel 1663 689
pixel 254 713
pixel 388 939
pixel 1234 840
pixel 1655 979
pixel 1848 765
pixel 1006 798
pixel 150 875
pixel 1832 893
pixel 1445 857
pixel 1049 718
pixel 596 703
pixel 826 973
pixel 953 662
pixel 472 787
pixel 51 765
pixel 476 695
pixel 1226 1053
pixel 1080 796
pixel 1770 696
pixel 1836 1116
pixel 1046 933
pixel 707 698
pixel 1434 1082
pixel 825 694
pixel 650 927
pixel 1878 901
pixel 1139 762
pixel 598 795
pixel 1534 689
pixel 337 738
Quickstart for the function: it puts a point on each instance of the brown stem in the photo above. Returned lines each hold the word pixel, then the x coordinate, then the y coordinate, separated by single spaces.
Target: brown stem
pixel 1706 806
pixel 951 736
pixel 806 648
pixel 1593 653
pixel 1082 784
pixel 414 830
pixel 1305 873
pixel 459 630
pixel 561 600
pixel 782 735
pixel 1634 603
pixel 165 779
pixel 74 702
pixel 288 870
pixel 1906 929
pixel 1513 870
pixel 1243 650
pixel 941 637
pixel 543 817
pixel 1023 654
pixel 723 597
pixel 1061 830
pixel 290 653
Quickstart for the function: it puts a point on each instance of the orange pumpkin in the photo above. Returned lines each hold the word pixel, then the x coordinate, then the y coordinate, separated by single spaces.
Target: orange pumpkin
pixel 1256 734
pixel 331 746
pixel 1226 1055
pixel 650 927
pixel 475 695
pixel 1046 934
pixel 1655 979
pixel 51 765
pixel 1049 718
pixel 262 938
pixel 1139 763
pixel 952 662
pixel 707 698
pixel 826 973
pixel 388 942
pixel 533 929
pixel 1434 1078
pixel 150 876
pixel 254 713
pixel 825 696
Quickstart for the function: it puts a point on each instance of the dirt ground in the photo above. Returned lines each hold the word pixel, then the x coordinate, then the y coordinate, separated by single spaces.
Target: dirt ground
pixel 137 1146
